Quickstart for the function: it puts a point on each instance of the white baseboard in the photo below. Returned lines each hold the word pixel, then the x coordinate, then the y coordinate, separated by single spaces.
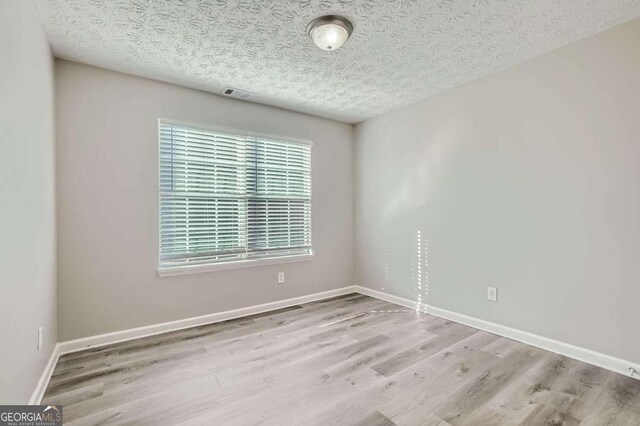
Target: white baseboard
pixel 43 382
pixel 589 356
pixel 582 354
pixel 411 304
pixel 150 330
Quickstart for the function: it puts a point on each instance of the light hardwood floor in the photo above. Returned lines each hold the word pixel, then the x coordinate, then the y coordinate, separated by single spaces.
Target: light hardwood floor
pixel 351 360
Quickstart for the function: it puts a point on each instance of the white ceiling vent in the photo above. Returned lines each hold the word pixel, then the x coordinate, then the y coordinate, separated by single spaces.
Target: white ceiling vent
pixel 236 93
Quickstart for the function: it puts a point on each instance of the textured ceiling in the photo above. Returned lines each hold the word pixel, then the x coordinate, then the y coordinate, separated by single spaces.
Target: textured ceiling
pixel 400 51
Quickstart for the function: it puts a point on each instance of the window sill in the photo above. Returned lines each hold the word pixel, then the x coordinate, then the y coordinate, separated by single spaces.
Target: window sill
pixel 170 271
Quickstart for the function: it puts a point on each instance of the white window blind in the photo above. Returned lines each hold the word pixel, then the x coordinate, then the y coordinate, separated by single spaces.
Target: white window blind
pixel 229 197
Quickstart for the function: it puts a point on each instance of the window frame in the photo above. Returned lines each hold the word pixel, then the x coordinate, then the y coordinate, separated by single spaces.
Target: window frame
pixel 173 270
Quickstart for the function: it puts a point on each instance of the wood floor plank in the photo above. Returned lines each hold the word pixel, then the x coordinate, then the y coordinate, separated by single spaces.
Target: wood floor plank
pixel 77 395
pixel 462 367
pixel 516 401
pixel 475 395
pixel 349 360
pixel 416 353
pixel 617 404
pixel 544 415
pixel 375 419
pixel 406 390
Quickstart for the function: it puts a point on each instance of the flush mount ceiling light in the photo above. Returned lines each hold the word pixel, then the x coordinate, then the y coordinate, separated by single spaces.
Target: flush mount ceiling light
pixel 329 32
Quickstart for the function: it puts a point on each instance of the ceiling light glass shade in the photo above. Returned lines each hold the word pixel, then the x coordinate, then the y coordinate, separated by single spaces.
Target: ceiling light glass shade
pixel 329 32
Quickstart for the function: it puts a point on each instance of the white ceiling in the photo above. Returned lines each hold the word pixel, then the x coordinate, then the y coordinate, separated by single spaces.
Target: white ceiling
pixel 400 51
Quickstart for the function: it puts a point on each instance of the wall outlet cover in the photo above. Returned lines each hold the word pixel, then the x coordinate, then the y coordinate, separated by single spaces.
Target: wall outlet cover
pixel 492 294
pixel 280 277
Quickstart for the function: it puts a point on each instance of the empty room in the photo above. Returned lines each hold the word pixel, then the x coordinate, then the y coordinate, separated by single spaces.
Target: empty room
pixel 320 212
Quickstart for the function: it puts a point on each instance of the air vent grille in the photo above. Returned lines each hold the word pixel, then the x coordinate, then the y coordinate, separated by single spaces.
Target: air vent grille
pixel 236 93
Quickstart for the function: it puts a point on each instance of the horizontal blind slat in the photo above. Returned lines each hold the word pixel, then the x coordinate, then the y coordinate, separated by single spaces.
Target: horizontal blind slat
pixel 231 197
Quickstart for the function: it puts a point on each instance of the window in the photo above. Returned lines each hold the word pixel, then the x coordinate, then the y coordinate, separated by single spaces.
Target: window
pixel 228 197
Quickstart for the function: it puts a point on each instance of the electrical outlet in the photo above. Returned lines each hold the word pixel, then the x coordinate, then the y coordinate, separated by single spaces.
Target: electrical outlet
pixel 280 277
pixel 492 294
pixel 40 338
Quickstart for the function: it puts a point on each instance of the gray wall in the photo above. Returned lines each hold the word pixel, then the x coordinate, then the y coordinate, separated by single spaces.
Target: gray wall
pixel 527 180
pixel 27 201
pixel 107 153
